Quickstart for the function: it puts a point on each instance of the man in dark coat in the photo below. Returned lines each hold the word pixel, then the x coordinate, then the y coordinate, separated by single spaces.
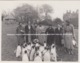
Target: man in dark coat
pixel 58 36
pixel 26 32
pixel 33 31
pixel 20 30
pixel 50 37
pixel 29 29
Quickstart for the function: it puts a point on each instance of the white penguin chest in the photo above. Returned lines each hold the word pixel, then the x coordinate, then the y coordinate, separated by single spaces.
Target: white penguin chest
pixel 47 56
pixel 37 58
pixel 18 51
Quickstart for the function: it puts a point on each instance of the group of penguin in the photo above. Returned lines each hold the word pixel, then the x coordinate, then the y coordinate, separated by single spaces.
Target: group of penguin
pixel 36 52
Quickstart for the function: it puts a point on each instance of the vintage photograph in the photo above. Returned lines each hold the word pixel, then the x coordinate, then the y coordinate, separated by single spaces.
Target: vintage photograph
pixel 39 30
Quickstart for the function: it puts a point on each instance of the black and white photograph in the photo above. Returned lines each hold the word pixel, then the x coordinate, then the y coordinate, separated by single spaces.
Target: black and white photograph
pixel 39 30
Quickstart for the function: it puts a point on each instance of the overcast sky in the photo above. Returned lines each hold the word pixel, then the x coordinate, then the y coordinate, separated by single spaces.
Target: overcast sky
pixel 59 7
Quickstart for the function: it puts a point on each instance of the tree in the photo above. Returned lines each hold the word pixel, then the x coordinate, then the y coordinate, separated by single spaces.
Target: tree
pixel 46 9
pixel 4 14
pixel 26 13
pixel 46 22
pixel 57 21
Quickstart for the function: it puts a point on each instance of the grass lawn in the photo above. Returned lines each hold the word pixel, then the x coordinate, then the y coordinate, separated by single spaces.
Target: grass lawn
pixel 9 44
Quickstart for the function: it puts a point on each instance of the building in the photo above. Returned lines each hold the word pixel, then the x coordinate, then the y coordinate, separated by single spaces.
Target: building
pixel 9 18
pixel 72 17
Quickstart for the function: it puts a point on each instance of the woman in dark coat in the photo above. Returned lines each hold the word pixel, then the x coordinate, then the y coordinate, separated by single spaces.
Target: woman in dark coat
pixel 50 38
pixel 58 36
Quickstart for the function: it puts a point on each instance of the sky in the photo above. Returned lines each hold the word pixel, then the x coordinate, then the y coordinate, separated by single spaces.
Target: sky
pixel 59 7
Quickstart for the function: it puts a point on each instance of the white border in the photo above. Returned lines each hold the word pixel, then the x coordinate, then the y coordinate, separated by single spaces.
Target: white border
pixel 37 62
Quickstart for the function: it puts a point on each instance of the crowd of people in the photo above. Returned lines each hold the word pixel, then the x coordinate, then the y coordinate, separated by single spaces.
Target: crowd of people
pixel 61 36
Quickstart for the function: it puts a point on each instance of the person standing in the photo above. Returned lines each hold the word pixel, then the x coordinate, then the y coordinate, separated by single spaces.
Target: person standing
pixel 29 29
pixel 33 31
pixel 58 36
pixel 20 31
pixel 40 30
pixel 68 36
pixel 50 36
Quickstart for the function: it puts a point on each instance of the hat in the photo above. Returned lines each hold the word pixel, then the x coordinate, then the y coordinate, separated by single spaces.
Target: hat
pixel 35 40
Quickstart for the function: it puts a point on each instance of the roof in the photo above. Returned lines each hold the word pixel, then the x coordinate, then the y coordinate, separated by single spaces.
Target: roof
pixel 10 16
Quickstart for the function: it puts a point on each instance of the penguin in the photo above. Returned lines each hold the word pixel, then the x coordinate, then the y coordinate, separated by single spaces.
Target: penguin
pixel 46 54
pixel 41 48
pixel 43 52
pixel 18 51
pixel 24 44
pixel 28 48
pixel 32 53
pixel 25 56
pixel 37 57
pixel 32 44
pixel 45 44
pixel 24 47
pixel 37 45
pixel 37 49
pixel 53 53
